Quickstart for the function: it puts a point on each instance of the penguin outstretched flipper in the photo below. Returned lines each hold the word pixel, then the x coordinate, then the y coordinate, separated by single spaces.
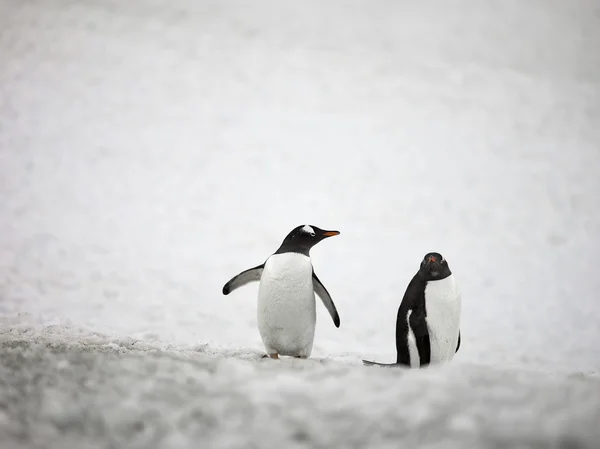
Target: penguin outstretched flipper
pixel 245 277
pixel 322 293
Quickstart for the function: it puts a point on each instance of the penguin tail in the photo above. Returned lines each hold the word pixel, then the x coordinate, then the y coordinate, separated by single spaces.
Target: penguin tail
pixel 369 363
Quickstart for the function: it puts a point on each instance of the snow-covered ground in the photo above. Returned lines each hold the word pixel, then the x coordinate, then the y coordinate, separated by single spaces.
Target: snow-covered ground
pixel 150 150
pixel 95 393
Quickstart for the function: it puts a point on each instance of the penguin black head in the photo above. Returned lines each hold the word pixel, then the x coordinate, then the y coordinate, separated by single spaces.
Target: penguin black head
pixel 434 267
pixel 302 238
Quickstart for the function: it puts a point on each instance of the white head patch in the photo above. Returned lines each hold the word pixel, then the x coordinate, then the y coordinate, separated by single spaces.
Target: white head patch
pixel 308 230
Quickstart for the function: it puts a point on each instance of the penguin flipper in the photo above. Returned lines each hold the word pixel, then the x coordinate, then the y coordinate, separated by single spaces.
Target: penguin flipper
pixel 418 324
pixel 322 293
pixel 458 345
pixel 245 277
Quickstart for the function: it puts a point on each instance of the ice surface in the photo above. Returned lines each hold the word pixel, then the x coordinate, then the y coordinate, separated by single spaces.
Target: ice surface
pixel 151 150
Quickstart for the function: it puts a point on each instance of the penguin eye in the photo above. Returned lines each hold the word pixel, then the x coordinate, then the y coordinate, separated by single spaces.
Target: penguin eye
pixel 312 234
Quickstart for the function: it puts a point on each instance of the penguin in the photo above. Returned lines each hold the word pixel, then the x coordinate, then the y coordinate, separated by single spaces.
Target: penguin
pixel 286 312
pixel 428 321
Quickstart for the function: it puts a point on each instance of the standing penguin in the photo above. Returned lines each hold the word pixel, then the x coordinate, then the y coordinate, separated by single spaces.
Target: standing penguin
pixel 286 309
pixel 428 322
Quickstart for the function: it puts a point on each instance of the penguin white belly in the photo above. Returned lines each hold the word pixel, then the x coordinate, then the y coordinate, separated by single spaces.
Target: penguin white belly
pixel 443 306
pixel 286 311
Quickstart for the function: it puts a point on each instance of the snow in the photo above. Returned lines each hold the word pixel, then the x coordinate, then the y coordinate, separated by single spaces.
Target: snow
pixel 93 392
pixel 150 150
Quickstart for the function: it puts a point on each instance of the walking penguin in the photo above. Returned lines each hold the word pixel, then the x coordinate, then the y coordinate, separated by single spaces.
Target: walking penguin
pixel 286 311
pixel 428 322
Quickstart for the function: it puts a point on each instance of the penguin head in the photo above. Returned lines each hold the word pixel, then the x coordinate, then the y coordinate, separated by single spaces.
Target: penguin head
pixel 302 238
pixel 434 267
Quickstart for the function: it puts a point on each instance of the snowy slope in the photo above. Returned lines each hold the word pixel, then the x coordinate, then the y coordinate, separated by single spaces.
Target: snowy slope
pixel 93 392
pixel 149 150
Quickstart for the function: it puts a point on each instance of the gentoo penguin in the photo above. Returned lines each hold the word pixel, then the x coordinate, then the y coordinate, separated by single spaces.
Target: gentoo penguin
pixel 428 322
pixel 286 309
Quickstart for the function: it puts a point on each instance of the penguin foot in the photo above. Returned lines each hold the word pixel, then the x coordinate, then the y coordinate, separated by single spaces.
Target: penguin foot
pixel 300 357
pixel 273 356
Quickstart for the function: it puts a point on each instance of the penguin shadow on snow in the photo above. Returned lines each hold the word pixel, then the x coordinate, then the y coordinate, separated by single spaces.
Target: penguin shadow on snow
pixel 286 307
pixel 428 321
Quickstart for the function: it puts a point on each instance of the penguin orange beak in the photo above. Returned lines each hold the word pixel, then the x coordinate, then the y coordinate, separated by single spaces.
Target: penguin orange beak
pixel 432 259
pixel 330 233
